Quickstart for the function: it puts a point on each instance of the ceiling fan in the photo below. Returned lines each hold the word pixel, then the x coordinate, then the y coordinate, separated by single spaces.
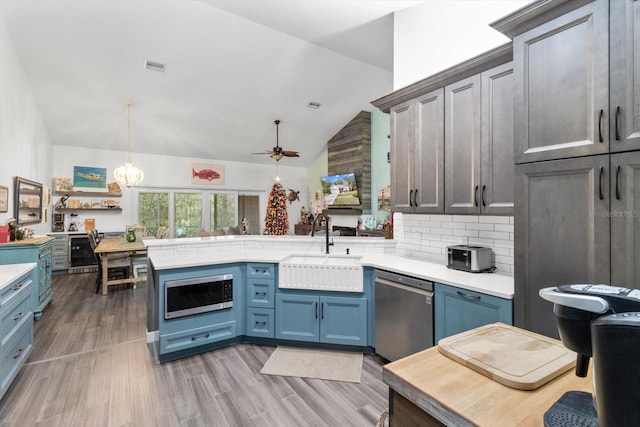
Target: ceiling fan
pixel 277 152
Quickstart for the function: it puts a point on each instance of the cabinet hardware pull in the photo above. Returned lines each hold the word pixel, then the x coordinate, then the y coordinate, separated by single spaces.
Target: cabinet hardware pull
pixel 410 196
pixel 468 296
pixel 600 193
pixel 617 117
pixel 17 288
pixel 617 182
pixel 201 337
pixel 600 138
pixel 18 316
pixel 322 311
pixel 261 323
pixel 484 187
pixel 316 304
pixel 18 353
pixel 475 196
pixel 415 198
pixel 261 294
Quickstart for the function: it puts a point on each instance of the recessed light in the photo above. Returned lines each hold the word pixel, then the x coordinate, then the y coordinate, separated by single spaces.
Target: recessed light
pixel 155 66
pixel 314 105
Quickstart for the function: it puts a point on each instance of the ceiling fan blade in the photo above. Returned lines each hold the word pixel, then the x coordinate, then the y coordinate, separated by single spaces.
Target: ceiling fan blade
pixel 265 152
pixel 290 154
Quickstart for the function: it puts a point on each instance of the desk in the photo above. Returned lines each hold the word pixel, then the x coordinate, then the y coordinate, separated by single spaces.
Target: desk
pixel 439 391
pixel 112 246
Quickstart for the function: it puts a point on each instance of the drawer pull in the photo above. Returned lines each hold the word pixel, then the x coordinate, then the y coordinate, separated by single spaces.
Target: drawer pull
pixel 18 353
pixel 468 296
pixel 261 271
pixel 261 294
pixel 18 316
pixel 261 323
pixel 17 288
pixel 200 338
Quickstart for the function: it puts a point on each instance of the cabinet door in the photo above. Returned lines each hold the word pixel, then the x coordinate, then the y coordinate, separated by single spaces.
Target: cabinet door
pixel 624 55
pixel 496 194
pixel 562 233
pixel 625 220
pixel 297 317
pixel 428 196
pixel 343 320
pixel 457 310
pixel 402 146
pixel 462 145
pixel 561 96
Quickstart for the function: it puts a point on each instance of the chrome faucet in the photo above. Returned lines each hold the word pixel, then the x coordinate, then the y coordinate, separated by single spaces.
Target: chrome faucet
pixel 326 230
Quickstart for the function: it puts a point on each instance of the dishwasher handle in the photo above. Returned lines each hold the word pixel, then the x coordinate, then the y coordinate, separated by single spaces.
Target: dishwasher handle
pixel 428 294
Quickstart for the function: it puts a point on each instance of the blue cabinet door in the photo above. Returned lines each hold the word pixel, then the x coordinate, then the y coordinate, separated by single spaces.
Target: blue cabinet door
pixel 297 317
pixel 343 320
pixel 458 310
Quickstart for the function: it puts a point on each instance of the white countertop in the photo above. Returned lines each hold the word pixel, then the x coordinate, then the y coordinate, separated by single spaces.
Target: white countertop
pixel 489 283
pixel 10 272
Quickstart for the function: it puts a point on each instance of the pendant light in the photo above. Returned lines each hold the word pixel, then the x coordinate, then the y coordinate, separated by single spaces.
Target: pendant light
pixel 128 175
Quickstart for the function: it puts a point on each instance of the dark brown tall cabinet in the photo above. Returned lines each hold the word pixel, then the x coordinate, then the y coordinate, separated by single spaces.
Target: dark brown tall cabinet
pixel 577 116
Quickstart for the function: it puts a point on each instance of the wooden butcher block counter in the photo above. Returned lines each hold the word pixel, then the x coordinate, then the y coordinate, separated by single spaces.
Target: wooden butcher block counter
pixel 431 389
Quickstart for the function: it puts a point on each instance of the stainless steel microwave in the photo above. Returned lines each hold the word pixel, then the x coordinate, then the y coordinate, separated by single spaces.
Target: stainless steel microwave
pixel 198 295
pixel 474 259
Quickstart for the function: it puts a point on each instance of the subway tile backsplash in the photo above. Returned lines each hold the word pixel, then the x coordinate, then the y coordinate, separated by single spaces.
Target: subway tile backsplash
pixel 427 236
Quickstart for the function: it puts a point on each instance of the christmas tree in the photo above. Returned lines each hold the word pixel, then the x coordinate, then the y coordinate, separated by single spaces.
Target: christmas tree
pixel 276 220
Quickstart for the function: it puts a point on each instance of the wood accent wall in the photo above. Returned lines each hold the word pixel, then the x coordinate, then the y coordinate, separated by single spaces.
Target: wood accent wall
pixel 350 151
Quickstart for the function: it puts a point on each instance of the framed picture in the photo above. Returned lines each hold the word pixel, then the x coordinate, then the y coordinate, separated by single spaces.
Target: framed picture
pixel 4 199
pixel 204 173
pixel 89 177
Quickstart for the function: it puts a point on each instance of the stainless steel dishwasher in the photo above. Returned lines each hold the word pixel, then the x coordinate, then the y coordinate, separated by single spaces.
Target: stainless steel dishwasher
pixel 404 315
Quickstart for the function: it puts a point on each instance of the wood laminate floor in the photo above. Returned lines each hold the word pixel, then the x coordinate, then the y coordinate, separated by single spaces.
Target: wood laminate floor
pixel 91 367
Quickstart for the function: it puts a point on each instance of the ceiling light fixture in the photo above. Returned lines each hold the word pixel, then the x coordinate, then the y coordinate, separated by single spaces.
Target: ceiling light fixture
pixel 128 175
pixel 314 105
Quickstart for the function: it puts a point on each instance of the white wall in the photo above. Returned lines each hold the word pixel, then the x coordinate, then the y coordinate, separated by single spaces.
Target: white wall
pixel 174 172
pixel 25 147
pixel 436 35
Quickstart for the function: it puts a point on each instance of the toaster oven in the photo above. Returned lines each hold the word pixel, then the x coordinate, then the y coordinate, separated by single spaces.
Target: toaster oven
pixel 475 259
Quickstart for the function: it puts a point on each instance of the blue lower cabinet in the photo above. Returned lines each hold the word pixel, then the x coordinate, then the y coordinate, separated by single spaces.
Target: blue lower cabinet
pixel 457 310
pixel 297 317
pixel 196 337
pixel 260 322
pixel 326 319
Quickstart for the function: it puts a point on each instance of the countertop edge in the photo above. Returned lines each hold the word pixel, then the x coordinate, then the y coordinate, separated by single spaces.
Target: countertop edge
pixel 10 272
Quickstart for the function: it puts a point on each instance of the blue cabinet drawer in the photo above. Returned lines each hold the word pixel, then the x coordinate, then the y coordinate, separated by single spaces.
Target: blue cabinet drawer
pixel 11 316
pixel 197 337
pixel 260 322
pixel 260 292
pixel 12 294
pixel 261 270
pixel 457 310
pixel 13 357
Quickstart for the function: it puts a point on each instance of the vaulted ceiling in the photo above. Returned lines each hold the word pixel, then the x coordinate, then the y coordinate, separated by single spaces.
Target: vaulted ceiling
pixel 232 68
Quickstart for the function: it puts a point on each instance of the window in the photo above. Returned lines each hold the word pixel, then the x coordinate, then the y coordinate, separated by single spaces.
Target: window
pixel 153 211
pixel 185 212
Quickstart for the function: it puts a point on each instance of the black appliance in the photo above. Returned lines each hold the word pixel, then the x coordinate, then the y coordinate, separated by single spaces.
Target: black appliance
pixel 197 295
pixel 58 223
pixel 474 259
pixel 81 256
pixel 600 322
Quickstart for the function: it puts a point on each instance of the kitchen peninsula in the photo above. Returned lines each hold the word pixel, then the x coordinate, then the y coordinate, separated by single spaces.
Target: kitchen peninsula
pixel 255 306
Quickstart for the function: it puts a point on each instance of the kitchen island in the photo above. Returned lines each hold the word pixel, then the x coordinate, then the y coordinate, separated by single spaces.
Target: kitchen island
pixel 430 389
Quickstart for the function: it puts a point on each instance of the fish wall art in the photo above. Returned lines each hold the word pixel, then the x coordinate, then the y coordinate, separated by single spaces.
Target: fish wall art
pixel 207 174
pixel 90 177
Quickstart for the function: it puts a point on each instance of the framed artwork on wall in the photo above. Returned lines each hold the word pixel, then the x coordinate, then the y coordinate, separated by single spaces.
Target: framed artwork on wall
pixel 89 177
pixel 204 173
pixel 4 199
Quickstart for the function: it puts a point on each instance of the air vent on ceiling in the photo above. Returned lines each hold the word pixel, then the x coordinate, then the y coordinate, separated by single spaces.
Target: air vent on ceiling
pixel 155 66
pixel 314 105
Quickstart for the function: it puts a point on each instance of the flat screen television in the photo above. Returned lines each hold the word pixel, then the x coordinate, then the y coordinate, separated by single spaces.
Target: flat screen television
pixel 340 190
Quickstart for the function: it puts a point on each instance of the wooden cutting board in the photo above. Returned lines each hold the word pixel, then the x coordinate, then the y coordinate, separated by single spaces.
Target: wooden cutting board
pixel 511 356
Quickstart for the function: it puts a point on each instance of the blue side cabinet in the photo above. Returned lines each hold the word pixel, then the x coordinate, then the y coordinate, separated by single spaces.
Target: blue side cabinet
pixel 457 310
pixel 38 251
pixel 261 284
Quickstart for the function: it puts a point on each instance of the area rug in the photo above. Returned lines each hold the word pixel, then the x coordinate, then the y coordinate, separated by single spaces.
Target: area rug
pixel 313 363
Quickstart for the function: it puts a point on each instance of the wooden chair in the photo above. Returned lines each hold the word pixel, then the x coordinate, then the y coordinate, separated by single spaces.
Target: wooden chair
pixel 119 268
pixel 162 233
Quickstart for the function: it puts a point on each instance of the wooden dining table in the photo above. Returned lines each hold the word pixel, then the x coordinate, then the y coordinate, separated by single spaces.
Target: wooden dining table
pixel 110 247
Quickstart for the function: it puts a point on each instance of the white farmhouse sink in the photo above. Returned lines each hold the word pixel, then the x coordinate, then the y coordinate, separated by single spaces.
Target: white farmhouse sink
pixel 342 273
